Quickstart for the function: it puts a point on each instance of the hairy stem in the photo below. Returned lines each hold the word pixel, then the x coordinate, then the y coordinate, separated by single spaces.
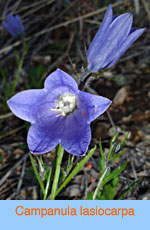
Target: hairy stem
pixel 100 182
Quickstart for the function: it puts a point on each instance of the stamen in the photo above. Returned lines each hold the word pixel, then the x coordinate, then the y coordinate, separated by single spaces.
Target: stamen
pixel 61 114
pixel 55 109
pixel 66 105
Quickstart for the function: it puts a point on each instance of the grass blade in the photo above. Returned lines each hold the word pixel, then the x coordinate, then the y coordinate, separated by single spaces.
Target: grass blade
pixel 76 170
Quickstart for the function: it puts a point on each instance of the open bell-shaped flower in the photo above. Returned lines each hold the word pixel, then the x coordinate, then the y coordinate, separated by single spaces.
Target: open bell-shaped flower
pixel 59 113
pixel 113 38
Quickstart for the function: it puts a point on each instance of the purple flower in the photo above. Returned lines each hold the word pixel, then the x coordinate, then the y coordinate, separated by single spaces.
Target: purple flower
pixel 113 38
pixel 59 113
pixel 14 25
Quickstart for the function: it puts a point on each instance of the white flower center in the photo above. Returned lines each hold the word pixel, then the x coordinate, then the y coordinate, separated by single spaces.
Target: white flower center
pixel 66 104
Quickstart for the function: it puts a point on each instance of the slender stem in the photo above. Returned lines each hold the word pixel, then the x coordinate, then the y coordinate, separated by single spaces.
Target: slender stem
pixel 47 186
pixel 70 163
pixel 14 85
pixel 100 183
pixel 37 174
pixel 52 170
pixel 57 171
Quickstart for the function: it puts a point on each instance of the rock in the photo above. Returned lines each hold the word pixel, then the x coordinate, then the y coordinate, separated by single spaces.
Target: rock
pixel 121 95
pixel 146 196
pixel 18 152
pixel 42 60
pixel 73 191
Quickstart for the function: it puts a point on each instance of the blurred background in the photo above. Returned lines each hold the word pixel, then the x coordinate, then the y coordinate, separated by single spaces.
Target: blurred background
pixel 59 34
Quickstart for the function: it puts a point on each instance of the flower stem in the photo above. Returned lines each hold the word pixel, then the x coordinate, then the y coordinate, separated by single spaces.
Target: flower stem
pixel 37 174
pixel 47 186
pixel 83 78
pixel 59 153
pixel 20 64
pixel 100 182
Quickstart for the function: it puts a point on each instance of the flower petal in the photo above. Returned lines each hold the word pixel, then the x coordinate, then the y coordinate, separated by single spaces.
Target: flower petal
pixel 117 32
pixel 46 133
pixel 77 134
pixel 14 25
pixel 25 104
pixel 9 29
pixel 93 104
pixel 100 34
pixel 48 117
pixel 131 38
pixel 60 78
pixel 20 25
pixel 41 140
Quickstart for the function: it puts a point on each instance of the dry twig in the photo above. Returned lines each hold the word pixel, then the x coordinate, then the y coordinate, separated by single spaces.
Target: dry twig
pixel 4 178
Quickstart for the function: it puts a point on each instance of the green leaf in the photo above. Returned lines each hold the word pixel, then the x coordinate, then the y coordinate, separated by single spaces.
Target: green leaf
pixel 115 181
pixel 89 196
pixel 114 174
pixel 32 175
pixel 70 163
pixel 16 55
pixel 100 195
pixel 76 170
pixel 118 155
pixel 124 140
pixel 35 74
pixel 114 137
pixel 47 186
pixel 110 189
pixel 52 170
pixel 111 145
pixel 102 160
pixel 37 174
pixel 129 189
pixel 1 159
pixel 99 185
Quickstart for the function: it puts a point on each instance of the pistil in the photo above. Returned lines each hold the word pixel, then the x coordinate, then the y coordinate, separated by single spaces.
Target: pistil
pixel 66 105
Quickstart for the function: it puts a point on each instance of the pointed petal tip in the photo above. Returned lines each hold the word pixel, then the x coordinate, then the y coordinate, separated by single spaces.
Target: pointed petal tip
pixel 142 29
pixel 109 10
pixel 9 17
pixel 137 33
pixel 109 6
pixel 109 102
pixel 59 70
pixel 9 103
